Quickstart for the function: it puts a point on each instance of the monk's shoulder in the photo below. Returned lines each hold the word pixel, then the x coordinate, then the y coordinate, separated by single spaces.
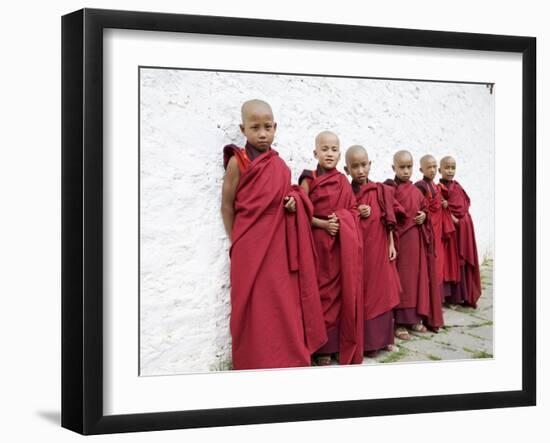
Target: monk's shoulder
pixel 230 151
pixel 422 187
pixel 390 182
pixel 306 174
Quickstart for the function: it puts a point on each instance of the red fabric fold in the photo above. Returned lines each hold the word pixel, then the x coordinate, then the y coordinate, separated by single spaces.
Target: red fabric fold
pixel 451 260
pixel 340 263
pixel 432 193
pixel 416 256
pixel 380 278
pixel 270 327
pixel 459 205
pixel 302 258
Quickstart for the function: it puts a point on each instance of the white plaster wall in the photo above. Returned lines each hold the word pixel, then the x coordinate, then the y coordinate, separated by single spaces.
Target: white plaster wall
pixel 188 116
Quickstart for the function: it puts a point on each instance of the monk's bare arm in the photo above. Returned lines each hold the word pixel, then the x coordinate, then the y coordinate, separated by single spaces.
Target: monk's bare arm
pixel 229 189
pixel 392 251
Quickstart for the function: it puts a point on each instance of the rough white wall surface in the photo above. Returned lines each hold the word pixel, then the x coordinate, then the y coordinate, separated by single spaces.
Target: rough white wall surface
pixel 188 116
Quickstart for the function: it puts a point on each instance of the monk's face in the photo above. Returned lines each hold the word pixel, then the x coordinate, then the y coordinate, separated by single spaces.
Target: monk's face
pixel 403 167
pixel 428 167
pixel 448 169
pixel 259 127
pixel 327 151
pixel 358 167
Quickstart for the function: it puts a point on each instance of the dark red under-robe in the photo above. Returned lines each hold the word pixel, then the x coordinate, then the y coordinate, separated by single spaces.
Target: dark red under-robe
pixel 459 204
pixel 340 264
pixel 276 315
pixel 415 258
pixel 432 193
pixel 381 286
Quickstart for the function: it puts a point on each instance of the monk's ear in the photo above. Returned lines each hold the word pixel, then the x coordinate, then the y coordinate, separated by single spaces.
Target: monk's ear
pixel 347 170
pixel 439 170
pixel 241 127
pixel 274 126
pixel 393 168
pixel 315 153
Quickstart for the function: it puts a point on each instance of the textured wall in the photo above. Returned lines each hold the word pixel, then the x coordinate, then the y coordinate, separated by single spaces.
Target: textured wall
pixel 186 119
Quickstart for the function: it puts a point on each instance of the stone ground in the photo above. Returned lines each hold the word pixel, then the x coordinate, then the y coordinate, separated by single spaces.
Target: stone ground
pixel 468 332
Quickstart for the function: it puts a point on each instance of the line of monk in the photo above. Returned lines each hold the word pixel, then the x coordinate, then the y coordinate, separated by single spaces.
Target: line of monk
pixel 331 270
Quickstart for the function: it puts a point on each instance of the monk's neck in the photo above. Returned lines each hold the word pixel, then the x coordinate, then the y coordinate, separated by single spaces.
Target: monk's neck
pixel 427 180
pixel 445 181
pixel 322 171
pixel 252 152
pixel 401 182
pixel 356 186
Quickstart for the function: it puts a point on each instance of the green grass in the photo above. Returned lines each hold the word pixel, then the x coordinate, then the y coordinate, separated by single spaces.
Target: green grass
pixel 479 325
pixel 434 357
pixel 422 336
pixel 475 336
pixel 395 356
pixel 222 365
pixel 482 354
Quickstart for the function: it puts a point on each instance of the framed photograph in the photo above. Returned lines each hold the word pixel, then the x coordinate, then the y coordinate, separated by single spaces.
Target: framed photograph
pixel 156 111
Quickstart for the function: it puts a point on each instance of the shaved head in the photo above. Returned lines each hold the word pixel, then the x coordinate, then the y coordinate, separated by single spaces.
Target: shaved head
pixel 427 158
pixel 355 149
pixel 324 135
pixel 428 166
pixel 254 106
pixel 447 168
pixel 403 155
pixel 447 159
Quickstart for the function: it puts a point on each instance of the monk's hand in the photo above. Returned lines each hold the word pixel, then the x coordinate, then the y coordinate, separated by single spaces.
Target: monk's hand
pixel 444 204
pixel 333 225
pixel 392 252
pixel 455 220
pixel 419 219
pixel 364 210
pixel 290 204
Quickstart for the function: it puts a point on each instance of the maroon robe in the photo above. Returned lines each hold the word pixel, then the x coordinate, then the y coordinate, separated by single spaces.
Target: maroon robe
pixel 459 204
pixel 420 298
pixel 340 264
pixel 276 316
pixel 435 211
pixel 381 286
pixel 451 260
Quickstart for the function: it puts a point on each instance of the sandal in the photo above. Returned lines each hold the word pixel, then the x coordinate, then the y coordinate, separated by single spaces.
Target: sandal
pixel 402 334
pixel 419 327
pixel 391 348
pixel 323 360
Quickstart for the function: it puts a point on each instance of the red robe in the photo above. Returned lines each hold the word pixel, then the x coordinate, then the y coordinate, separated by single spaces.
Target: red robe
pixel 451 261
pixel 459 204
pixel 433 194
pixel 415 258
pixel 276 316
pixel 381 286
pixel 340 262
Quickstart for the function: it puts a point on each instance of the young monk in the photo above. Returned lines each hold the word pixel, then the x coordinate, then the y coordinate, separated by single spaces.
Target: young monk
pixel 338 245
pixel 468 289
pixel 428 168
pixel 381 285
pixel 420 301
pixel 276 316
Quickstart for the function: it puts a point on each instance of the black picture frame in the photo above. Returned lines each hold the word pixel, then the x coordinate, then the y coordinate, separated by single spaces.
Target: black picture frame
pixel 82 218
